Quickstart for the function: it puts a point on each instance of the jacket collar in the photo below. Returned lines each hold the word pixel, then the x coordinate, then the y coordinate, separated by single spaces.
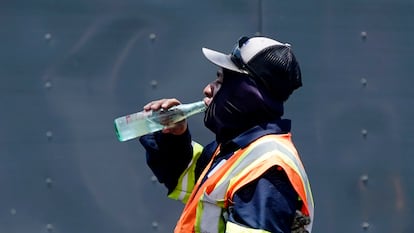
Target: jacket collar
pixel 280 126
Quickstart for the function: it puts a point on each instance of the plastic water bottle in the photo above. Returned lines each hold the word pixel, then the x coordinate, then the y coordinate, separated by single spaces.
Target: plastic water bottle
pixel 145 122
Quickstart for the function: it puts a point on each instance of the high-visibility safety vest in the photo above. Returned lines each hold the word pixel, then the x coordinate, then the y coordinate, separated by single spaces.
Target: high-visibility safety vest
pixel 205 210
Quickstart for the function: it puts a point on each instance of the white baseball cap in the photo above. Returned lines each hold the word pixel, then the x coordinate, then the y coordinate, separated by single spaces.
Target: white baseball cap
pixel 246 49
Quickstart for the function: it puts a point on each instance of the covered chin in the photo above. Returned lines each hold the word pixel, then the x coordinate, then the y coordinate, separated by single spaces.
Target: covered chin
pixel 210 119
pixel 225 120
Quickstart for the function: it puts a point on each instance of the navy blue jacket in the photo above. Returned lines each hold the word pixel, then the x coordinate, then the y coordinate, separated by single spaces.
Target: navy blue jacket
pixel 268 203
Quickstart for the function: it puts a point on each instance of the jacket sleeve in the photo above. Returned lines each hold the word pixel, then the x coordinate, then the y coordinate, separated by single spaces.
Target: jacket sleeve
pixel 265 205
pixel 173 159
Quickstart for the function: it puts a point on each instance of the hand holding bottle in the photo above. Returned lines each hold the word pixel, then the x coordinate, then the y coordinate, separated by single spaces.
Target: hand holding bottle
pixel 165 104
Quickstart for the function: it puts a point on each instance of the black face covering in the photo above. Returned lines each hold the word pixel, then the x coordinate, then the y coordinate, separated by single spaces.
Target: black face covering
pixel 238 106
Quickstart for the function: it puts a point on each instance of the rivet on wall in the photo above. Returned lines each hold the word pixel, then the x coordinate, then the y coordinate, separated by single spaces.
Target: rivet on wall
pixel 152 37
pixel 364 35
pixel 13 211
pixel 49 182
pixel 364 82
pixel 154 84
pixel 154 224
pixel 49 227
pixel 364 179
pixel 154 179
pixel 48 37
pixel 49 135
pixel 365 226
pixel 364 133
pixel 48 85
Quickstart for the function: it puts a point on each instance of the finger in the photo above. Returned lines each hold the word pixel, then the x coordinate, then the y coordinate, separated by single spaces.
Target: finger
pixel 154 105
pixel 168 103
pixel 162 103
pixel 147 107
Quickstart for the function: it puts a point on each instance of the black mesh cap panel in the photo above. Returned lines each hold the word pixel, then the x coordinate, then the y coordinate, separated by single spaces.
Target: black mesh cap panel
pixel 277 69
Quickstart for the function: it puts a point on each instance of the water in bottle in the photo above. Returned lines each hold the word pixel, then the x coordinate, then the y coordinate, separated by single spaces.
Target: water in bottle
pixel 144 122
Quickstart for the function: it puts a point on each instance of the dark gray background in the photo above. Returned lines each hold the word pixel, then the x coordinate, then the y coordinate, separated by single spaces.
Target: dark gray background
pixel 69 67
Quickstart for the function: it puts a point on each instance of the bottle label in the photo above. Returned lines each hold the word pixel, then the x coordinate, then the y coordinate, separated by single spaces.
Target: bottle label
pixel 137 116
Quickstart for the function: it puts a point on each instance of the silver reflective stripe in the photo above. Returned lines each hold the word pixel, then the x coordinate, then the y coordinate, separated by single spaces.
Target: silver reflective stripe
pixel 235 228
pixel 210 215
pixel 183 184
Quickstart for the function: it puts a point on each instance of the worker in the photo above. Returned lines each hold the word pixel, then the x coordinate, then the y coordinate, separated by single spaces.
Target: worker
pixel 250 179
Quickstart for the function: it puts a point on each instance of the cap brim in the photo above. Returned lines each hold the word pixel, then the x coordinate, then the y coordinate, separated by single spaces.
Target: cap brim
pixel 221 59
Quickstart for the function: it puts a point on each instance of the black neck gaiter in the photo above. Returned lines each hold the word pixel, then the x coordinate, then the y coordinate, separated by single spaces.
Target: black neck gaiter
pixel 238 106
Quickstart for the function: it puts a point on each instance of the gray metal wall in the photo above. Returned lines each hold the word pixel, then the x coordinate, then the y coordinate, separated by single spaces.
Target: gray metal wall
pixel 68 68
